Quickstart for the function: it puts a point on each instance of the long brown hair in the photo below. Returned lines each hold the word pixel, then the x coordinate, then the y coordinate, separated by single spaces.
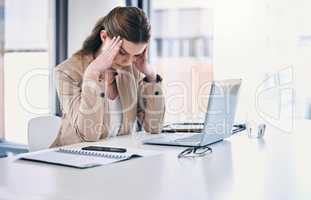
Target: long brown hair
pixel 129 23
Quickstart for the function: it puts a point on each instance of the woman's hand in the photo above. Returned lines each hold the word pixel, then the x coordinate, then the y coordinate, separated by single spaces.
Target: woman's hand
pixel 104 60
pixel 141 64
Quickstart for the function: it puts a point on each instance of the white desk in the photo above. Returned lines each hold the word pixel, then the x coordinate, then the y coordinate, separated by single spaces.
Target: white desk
pixel 275 168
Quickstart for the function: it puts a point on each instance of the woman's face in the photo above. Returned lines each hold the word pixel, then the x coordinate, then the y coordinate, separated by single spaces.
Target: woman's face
pixel 128 52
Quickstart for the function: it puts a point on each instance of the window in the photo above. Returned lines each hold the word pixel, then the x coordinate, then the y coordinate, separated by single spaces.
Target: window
pixel 181 50
pixel 26 64
pixel 1 69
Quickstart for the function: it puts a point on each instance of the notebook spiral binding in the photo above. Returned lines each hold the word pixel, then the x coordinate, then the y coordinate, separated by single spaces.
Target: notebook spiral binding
pixel 91 153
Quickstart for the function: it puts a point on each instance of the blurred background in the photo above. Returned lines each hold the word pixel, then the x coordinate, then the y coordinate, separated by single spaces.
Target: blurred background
pixel 266 43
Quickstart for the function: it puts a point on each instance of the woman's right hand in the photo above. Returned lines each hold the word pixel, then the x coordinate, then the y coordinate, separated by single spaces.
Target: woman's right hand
pixel 104 60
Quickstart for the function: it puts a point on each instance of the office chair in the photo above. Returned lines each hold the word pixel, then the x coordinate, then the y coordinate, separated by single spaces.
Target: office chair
pixel 42 131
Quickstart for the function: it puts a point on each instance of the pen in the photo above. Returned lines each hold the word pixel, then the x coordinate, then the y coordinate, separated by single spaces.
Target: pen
pixel 107 149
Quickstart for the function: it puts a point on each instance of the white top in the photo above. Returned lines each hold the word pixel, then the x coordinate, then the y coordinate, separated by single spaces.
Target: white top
pixel 115 110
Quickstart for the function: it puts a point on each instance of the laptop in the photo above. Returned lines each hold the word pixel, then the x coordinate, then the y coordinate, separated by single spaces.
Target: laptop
pixel 219 118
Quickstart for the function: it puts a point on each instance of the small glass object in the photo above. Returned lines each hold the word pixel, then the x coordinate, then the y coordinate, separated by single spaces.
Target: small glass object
pixel 255 130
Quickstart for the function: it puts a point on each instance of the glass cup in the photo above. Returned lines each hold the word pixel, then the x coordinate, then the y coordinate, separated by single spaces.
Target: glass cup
pixel 254 129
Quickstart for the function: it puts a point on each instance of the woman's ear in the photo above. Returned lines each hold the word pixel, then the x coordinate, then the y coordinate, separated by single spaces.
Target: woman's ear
pixel 103 35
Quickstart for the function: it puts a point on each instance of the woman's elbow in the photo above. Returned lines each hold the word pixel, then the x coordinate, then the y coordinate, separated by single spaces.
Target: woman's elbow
pixel 88 133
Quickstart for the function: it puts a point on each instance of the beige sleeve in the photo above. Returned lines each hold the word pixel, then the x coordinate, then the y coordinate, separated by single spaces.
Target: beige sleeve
pixel 82 104
pixel 151 106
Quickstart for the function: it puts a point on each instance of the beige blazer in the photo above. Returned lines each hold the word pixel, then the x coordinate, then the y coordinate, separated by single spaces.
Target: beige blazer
pixel 86 110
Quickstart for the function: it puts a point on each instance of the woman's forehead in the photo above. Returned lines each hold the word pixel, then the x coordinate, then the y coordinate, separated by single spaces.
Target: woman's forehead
pixel 133 48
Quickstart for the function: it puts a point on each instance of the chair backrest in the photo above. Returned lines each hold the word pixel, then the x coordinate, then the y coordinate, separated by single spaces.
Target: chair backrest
pixel 42 131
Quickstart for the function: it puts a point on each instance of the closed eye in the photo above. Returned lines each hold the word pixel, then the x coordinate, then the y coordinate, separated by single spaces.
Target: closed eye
pixel 138 55
pixel 122 52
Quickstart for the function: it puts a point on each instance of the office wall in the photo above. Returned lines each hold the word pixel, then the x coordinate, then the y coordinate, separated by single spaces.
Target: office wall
pixel 1 69
pixel 1 96
pixel 82 16
pixel 257 39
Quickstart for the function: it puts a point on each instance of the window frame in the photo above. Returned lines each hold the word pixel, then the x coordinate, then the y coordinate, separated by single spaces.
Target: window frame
pixel 2 134
pixel 51 50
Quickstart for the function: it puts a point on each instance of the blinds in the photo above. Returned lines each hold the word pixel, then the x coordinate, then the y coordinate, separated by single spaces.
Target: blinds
pixel 26 24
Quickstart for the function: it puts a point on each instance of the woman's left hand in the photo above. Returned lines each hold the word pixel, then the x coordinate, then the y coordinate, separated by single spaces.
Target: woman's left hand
pixel 141 64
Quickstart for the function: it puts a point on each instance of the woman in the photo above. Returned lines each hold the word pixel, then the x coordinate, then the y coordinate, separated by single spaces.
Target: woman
pixel 107 84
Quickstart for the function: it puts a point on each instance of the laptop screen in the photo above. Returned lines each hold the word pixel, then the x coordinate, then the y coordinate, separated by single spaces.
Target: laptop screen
pixel 221 108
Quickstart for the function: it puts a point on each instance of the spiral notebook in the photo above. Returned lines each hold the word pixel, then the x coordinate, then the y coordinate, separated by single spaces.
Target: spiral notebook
pixel 74 157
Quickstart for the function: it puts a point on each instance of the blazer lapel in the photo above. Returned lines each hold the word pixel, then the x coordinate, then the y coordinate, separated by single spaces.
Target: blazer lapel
pixel 127 89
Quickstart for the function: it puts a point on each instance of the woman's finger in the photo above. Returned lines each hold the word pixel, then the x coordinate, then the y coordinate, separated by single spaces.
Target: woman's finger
pixel 107 45
pixel 111 42
pixel 143 55
pixel 115 42
pixel 116 49
pixel 146 51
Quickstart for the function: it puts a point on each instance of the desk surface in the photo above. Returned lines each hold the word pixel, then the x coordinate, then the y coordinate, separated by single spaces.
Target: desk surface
pixel 276 167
